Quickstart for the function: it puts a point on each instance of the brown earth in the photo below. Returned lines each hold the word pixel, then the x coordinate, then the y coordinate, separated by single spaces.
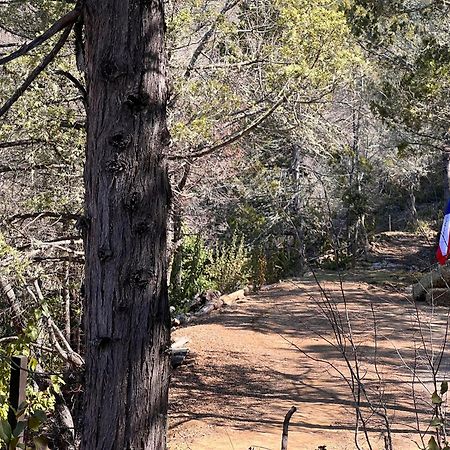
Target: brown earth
pixel 250 362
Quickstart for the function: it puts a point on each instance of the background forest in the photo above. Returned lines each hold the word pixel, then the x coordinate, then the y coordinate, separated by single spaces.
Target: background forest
pixel 298 131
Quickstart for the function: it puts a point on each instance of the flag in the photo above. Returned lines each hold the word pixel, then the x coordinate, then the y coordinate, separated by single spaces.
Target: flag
pixel 444 247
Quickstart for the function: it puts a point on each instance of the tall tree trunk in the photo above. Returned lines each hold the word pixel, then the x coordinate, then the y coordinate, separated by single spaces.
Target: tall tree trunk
pixel 127 199
pixel 412 206
pixel 446 171
pixel 177 249
pixel 66 299
pixel 299 239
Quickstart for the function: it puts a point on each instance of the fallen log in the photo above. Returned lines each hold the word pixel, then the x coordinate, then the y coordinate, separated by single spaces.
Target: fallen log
pixel 205 309
pixel 214 301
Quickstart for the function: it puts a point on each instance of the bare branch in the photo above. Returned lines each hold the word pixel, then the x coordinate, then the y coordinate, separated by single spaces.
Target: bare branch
pixel 43 215
pixel 207 36
pixel 7 169
pixel 77 83
pixel 232 65
pixel 65 21
pixel 8 339
pixel 8 291
pixel 20 143
pixel 67 353
pixel 75 125
pixel 35 73
pixel 70 258
pixel 207 150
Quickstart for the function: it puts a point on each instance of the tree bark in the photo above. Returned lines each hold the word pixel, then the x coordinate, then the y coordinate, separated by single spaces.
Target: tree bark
pixel 177 249
pixel 412 206
pixel 446 171
pixel 127 318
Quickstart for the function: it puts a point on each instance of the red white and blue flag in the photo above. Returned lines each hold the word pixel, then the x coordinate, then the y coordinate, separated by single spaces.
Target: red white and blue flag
pixel 443 251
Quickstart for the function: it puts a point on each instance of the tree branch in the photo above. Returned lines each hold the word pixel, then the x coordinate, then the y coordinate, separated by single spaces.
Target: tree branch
pixel 20 143
pixel 8 169
pixel 65 21
pixel 35 73
pixel 77 83
pixel 75 125
pixel 206 150
pixel 8 339
pixel 65 350
pixel 72 259
pixel 42 215
pixel 207 36
pixel 17 314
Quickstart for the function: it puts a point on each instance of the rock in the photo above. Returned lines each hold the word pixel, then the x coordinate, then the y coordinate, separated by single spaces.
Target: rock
pixel 218 303
pixel 248 289
pixel 180 342
pixel 418 292
pixel 178 356
pixel 230 299
pixel 179 351
pixel 184 318
pixel 438 278
pixel 181 319
pixel 409 289
pixel 385 265
pixel 438 297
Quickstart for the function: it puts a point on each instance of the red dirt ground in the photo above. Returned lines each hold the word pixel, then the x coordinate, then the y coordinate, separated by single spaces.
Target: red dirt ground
pixel 249 363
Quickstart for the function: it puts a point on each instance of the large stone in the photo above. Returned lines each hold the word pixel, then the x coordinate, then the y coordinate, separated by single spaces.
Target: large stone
pixel 438 297
pixel 232 298
pixel 438 278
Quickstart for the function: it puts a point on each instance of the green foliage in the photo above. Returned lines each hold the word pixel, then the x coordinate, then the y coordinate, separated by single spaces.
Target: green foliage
pixel 193 276
pixel 258 268
pixel 229 268
pixel 26 420
pixel 413 60
pixel 439 420
pixel 315 40
pixel 225 267
pixel 36 399
pixel 12 260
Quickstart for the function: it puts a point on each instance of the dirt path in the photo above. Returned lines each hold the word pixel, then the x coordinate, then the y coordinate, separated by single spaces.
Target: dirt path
pixel 251 362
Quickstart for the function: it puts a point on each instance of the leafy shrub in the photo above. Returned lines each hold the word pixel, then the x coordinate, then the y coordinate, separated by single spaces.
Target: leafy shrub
pixel 230 266
pixel 226 268
pixel 193 276
pixel 258 268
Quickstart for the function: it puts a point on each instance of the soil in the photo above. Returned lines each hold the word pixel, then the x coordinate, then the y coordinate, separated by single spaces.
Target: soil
pixel 250 362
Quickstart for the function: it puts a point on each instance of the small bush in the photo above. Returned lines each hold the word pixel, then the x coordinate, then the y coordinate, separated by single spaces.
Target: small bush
pixel 230 266
pixel 193 276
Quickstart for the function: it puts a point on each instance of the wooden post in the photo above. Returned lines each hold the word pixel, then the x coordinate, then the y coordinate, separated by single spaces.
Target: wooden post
pixel 17 386
pixel 284 438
